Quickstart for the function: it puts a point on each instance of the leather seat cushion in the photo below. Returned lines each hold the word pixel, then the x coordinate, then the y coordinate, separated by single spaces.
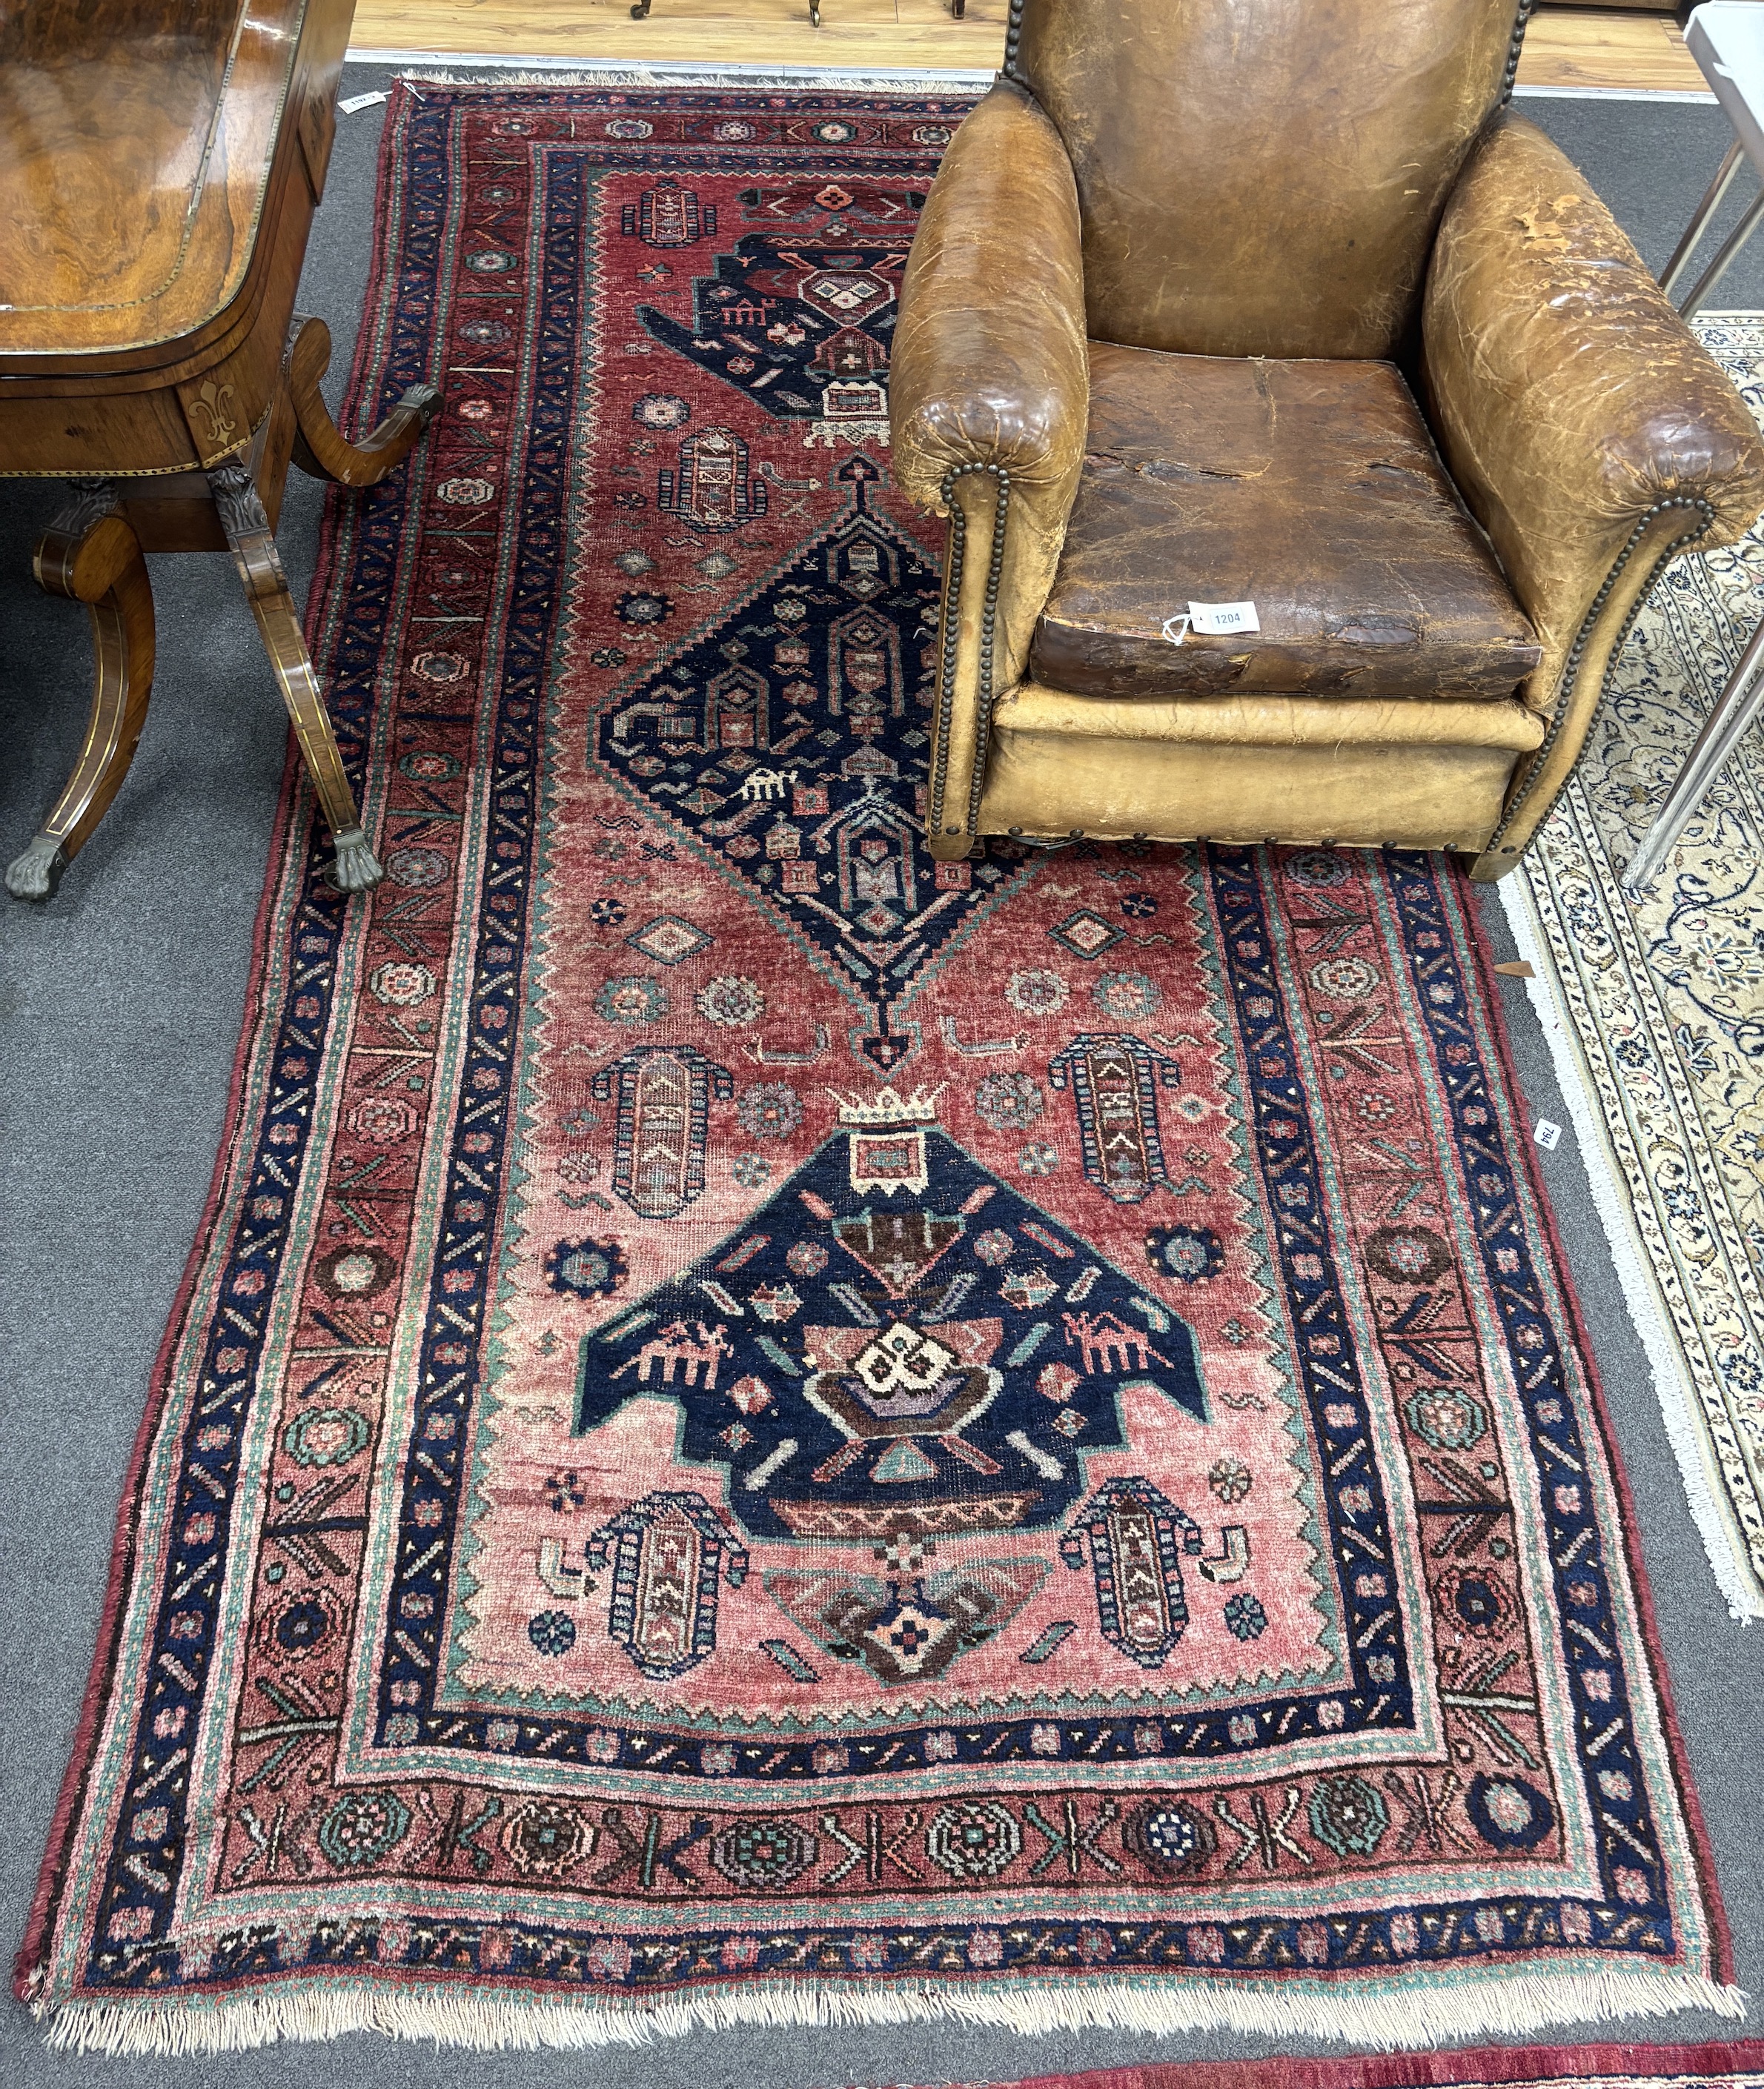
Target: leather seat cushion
pixel 1311 488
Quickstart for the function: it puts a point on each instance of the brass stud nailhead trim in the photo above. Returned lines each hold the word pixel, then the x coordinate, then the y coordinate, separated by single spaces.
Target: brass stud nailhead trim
pixel 1013 38
pixel 1514 47
pixel 1577 653
pixel 949 632
pixel 1012 70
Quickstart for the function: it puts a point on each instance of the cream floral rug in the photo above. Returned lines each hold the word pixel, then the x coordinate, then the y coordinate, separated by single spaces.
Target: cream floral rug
pixel 1655 1010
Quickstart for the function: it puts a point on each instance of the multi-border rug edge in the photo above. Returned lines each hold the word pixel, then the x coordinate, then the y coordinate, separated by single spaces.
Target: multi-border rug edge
pixel 294 805
pixel 1635 1279
pixel 1397 2015
pixel 294 808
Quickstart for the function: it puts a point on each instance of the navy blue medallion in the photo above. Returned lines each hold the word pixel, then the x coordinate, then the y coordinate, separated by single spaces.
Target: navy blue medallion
pixel 802 330
pixel 883 1352
pixel 791 739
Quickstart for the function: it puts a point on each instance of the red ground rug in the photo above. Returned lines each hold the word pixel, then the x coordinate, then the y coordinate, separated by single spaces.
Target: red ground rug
pixel 1499 2067
pixel 762 1430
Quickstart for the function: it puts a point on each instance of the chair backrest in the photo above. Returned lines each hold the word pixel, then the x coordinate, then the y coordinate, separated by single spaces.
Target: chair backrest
pixel 1262 177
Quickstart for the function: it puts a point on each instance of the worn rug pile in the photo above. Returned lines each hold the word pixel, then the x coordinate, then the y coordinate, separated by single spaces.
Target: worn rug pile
pixel 761 1430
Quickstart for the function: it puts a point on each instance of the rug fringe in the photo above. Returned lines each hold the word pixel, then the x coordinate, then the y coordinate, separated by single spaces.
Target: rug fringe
pixel 485 70
pixel 1395 2014
pixel 1676 1397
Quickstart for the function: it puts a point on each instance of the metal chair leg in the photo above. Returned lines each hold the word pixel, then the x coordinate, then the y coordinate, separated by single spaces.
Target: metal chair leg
pixel 1698 224
pixel 1734 710
pixel 1725 258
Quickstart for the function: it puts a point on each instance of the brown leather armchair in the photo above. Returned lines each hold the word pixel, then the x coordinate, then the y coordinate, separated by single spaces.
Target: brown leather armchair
pixel 1204 292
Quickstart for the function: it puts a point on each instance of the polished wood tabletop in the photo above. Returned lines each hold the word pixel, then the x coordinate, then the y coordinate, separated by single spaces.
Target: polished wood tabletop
pixel 160 162
pixel 135 144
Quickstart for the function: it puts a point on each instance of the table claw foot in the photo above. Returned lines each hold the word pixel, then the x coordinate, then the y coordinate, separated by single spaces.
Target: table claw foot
pixel 36 871
pixel 357 869
pixel 89 555
pixel 424 400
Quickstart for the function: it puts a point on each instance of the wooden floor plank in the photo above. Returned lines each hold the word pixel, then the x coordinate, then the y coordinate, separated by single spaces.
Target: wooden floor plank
pixel 1574 47
pixel 1586 47
pixel 882 33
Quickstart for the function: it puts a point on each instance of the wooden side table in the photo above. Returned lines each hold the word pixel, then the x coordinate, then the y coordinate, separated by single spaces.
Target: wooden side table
pixel 161 160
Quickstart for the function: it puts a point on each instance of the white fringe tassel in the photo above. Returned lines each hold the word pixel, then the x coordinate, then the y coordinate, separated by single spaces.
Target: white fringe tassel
pixel 491 71
pixel 1677 1397
pixel 1435 2006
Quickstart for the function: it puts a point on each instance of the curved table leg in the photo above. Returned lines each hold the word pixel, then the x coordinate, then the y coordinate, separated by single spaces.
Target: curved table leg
pixel 318 448
pixel 259 567
pixel 89 553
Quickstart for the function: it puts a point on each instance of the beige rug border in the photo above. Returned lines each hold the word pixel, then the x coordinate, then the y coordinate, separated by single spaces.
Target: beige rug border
pixel 1675 1380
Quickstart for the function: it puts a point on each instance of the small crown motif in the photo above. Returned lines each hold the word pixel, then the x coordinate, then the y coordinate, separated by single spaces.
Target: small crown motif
pixel 889 1108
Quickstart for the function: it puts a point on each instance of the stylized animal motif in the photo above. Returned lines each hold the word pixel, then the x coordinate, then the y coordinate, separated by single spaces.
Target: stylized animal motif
pixel 675 1345
pixel 1105 1342
pixel 766 783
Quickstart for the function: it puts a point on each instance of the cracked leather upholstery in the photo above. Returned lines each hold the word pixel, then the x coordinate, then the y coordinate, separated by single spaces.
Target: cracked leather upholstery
pixel 989 360
pixel 989 363
pixel 1312 488
pixel 989 369
pixel 1160 297
pixel 1263 177
pixel 1570 401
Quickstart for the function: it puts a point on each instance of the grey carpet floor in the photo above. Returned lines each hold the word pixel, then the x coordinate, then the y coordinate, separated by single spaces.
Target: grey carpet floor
pixel 120 1004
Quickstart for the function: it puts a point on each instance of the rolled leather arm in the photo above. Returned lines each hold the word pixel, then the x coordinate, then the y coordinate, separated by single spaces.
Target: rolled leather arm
pixel 1588 431
pixel 989 395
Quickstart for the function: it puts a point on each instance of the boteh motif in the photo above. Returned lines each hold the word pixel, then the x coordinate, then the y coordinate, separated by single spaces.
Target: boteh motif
pixel 778 1425
pixel 669 216
pixel 669 1552
pixel 1115 1082
pixel 1135 1537
pixel 663 1099
pixel 711 487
